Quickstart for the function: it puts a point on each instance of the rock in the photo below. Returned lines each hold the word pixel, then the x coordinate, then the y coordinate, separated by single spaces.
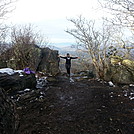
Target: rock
pixel 49 62
pixel 51 79
pixel 19 108
pixel 82 73
pixel 15 82
pixel 41 82
pixel 40 59
pixel 125 87
pixel 131 85
pixel 119 74
pixel 115 60
pixel 128 64
pixel 71 80
pixel 111 84
pixel 88 73
pixel 8 116
pixel 79 79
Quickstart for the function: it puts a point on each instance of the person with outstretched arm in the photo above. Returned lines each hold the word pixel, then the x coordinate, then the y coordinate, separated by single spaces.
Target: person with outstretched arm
pixel 68 62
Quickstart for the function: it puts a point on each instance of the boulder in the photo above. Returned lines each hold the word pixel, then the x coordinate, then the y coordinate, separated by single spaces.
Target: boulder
pixel 8 120
pixel 16 82
pixel 120 71
pixel 119 74
pixel 49 62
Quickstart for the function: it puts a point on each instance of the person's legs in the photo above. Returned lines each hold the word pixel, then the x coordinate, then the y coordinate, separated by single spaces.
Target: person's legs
pixel 68 71
pixel 68 66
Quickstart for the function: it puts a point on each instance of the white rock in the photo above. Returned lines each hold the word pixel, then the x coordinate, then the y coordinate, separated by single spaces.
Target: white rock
pixel 41 96
pixel 12 97
pixel 112 93
pixel 26 90
pixel 10 71
pixel 21 75
pixel 131 98
pixel 131 93
pixel 7 70
pixel 71 80
pixel 131 85
pixel 125 94
pixel 18 71
pixel 111 84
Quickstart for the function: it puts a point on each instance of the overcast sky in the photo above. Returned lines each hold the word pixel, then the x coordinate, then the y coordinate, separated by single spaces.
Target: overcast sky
pixel 50 16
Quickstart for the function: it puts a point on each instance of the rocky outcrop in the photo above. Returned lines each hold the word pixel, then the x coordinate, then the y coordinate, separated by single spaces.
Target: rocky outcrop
pixel 8 117
pixel 49 62
pixel 40 59
pixel 16 82
pixel 120 71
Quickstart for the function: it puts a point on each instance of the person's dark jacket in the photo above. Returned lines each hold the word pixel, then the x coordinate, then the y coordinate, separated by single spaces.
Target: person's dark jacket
pixel 68 59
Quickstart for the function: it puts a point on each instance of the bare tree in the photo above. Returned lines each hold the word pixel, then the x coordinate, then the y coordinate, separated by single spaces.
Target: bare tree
pixel 94 42
pixel 25 51
pixel 123 17
pixel 6 7
pixel 122 10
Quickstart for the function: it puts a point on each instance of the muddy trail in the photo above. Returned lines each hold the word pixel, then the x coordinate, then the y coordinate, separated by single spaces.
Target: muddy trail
pixel 80 107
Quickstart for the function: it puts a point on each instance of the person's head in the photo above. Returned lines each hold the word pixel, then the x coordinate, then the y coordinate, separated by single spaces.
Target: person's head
pixel 68 55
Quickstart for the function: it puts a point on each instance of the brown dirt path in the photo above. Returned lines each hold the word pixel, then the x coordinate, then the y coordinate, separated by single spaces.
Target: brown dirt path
pixel 85 107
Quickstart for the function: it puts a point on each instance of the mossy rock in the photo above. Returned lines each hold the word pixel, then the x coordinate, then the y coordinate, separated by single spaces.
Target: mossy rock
pixel 115 60
pixel 119 74
pixel 128 63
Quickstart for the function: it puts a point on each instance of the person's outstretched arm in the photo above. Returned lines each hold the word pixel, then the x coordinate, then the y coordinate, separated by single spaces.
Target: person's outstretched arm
pixel 74 57
pixel 63 57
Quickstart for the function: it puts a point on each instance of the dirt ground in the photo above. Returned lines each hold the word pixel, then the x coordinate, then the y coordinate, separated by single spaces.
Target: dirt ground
pixel 80 107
